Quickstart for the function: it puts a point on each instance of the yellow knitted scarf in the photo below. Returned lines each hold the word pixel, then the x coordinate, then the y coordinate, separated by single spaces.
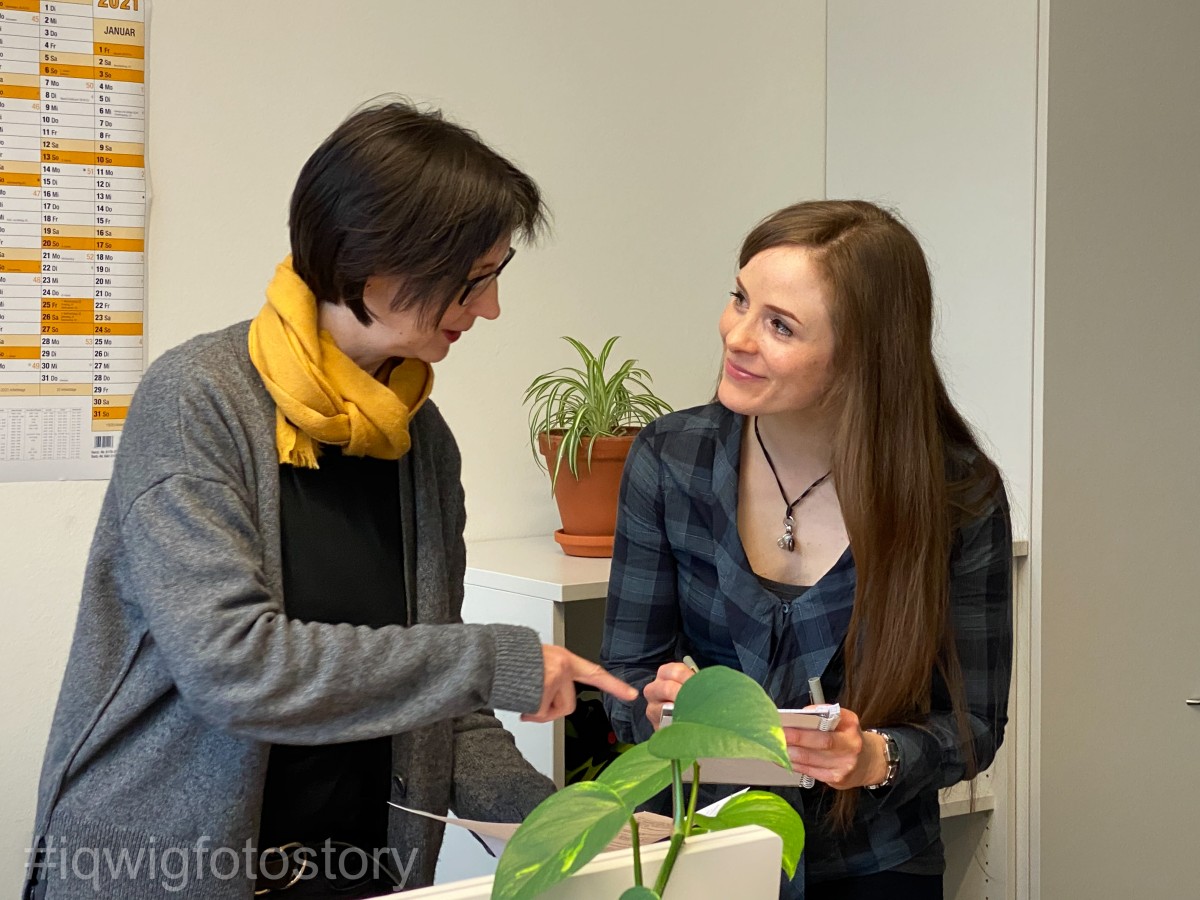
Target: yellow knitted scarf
pixel 321 396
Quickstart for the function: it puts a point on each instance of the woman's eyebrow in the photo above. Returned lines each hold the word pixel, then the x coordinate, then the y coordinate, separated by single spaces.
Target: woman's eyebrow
pixel 778 310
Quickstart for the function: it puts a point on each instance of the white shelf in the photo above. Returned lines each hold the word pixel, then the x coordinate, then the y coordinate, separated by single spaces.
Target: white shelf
pixel 536 567
pixel 956 801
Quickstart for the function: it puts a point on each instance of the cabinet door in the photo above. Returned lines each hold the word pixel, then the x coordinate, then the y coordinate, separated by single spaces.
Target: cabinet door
pixel 540 743
pixel 462 855
pixel 575 624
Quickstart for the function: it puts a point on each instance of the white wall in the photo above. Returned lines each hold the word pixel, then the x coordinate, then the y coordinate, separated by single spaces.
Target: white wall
pixel 44 535
pixel 659 132
pixel 931 110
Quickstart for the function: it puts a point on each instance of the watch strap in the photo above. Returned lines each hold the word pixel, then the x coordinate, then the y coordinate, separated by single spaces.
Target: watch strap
pixel 891 755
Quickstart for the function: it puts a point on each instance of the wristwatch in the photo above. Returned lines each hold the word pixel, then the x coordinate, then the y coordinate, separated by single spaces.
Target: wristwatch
pixel 891 755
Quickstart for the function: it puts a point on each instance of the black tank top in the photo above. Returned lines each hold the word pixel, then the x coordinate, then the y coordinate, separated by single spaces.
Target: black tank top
pixel 342 563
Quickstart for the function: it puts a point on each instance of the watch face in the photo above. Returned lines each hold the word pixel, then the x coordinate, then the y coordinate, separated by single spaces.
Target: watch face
pixel 891 750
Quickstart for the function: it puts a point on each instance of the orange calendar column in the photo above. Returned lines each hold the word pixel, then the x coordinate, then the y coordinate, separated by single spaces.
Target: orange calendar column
pixel 68 182
pixel 120 206
pixel 20 204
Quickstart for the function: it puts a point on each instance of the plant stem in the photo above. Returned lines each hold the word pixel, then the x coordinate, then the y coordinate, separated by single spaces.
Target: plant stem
pixel 691 813
pixel 669 863
pixel 678 833
pixel 677 794
pixel 637 851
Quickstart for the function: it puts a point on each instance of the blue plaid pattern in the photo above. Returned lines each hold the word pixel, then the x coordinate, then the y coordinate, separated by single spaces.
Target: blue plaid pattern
pixel 681 583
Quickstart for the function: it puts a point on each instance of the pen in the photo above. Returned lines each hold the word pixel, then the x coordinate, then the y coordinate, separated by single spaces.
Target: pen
pixel 818 698
pixel 690 663
pixel 814 688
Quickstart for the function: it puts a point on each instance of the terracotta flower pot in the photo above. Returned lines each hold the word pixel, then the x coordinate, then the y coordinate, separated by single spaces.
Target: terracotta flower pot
pixel 588 505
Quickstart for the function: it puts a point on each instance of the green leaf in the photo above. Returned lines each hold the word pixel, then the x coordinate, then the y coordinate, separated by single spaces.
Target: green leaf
pixel 722 713
pixel 560 836
pixel 636 775
pixel 640 893
pixel 771 812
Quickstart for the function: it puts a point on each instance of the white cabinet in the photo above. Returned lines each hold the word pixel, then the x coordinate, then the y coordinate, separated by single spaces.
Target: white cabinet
pixel 529 581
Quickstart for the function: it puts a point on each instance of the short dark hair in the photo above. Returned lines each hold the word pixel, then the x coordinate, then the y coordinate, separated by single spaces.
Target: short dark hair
pixel 396 190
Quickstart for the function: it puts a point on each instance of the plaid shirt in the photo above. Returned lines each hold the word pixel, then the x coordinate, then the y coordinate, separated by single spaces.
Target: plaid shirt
pixel 681 583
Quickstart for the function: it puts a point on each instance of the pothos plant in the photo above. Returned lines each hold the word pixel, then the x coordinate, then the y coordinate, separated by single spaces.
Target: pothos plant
pixel 586 402
pixel 718 713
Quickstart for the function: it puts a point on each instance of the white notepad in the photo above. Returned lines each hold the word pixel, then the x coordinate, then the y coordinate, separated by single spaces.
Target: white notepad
pixel 762 772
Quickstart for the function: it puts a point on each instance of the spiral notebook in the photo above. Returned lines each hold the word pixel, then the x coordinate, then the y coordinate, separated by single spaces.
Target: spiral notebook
pixel 762 772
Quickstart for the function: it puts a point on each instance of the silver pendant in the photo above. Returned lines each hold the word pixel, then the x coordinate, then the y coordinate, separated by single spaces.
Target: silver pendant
pixel 787 541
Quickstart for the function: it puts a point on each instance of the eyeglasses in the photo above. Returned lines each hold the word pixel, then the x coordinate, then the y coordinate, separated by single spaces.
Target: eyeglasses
pixel 476 286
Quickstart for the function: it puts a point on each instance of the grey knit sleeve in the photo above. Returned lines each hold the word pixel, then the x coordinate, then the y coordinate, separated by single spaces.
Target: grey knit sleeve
pixel 190 567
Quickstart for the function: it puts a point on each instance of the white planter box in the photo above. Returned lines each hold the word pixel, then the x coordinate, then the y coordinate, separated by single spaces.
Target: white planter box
pixel 742 862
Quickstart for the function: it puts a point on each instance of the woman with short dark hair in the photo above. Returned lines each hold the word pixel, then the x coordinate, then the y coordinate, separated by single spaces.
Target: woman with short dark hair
pixel 830 515
pixel 269 645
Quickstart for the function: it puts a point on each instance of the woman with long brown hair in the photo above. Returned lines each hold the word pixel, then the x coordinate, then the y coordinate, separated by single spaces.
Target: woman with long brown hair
pixel 830 514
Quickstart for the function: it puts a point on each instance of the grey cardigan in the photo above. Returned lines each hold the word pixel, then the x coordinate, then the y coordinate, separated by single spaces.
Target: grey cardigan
pixel 184 668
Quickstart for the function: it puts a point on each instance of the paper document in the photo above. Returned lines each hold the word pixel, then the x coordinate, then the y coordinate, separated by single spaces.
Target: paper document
pixel 715 807
pixel 494 835
pixel 652 828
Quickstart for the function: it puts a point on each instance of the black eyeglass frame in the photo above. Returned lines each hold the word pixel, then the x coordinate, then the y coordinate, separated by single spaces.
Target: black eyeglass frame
pixel 472 284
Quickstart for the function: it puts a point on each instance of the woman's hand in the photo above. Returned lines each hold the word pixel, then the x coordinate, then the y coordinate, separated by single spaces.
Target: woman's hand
pixel 663 688
pixel 844 758
pixel 562 669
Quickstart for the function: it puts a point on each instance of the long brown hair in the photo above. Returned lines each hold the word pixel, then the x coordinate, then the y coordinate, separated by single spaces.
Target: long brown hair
pixel 906 464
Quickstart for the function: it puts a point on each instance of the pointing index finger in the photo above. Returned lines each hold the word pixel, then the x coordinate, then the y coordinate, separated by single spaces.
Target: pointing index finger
pixel 609 683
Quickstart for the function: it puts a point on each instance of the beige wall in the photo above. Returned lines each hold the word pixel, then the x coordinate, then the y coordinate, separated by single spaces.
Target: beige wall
pixel 659 132
pixel 930 110
pixel 1119 485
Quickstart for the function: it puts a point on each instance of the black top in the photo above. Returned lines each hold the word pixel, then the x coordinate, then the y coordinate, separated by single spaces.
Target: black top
pixel 783 590
pixel 342 562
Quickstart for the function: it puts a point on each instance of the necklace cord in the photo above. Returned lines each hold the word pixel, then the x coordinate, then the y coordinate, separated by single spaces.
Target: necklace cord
pixel 771 465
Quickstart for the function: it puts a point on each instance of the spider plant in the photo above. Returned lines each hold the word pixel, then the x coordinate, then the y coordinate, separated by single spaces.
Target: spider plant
pixel 583 402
